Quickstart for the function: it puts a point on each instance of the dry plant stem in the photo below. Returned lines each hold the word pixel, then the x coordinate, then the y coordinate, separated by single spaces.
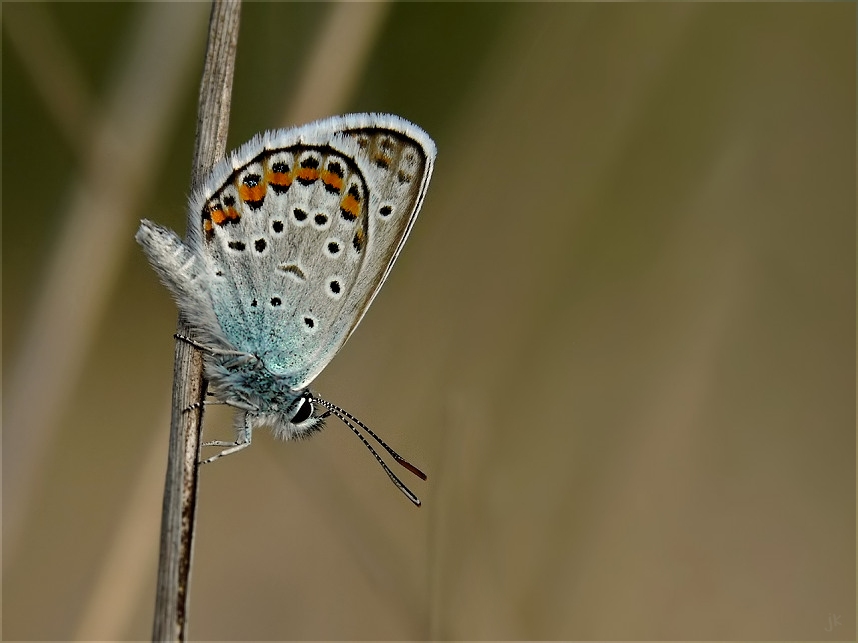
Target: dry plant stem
pixel 180 492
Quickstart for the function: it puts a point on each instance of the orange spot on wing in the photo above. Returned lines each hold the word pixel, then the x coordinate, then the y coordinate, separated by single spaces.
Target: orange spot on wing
pixel 331 179
pixel 280 179
pixel 218 215
pixel 307 174
pixel 255 193
pixel 232 214
pixel 350 205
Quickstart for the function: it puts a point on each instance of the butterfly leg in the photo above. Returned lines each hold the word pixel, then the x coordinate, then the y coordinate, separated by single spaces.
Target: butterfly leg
pixel 212 350
pixel 198 405
pixel 242 442
pixel 232 447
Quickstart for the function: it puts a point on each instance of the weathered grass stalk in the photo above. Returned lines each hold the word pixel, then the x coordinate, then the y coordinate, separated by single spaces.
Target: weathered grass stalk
pixel 180 491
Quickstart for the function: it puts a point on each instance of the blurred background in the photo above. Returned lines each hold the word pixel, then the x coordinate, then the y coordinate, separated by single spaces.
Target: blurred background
pixel 620 340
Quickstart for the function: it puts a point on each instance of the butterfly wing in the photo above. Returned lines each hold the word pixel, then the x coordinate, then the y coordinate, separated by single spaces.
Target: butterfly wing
pixel 299 228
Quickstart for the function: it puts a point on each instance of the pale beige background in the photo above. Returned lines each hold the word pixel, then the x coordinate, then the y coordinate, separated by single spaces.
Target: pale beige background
pixel 621 339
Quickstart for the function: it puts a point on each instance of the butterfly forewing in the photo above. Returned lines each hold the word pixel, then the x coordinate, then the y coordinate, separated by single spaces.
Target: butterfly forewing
pixel 398 169
pixel 297 243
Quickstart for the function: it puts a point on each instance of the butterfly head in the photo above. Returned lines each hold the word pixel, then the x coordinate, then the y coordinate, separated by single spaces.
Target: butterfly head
pixel 299 418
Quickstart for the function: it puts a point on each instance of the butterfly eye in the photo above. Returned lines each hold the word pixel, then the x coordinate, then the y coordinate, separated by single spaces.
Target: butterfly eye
pixel 304 411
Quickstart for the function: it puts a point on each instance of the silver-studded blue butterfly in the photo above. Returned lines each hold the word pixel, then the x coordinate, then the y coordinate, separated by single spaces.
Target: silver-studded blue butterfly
pixel 290 239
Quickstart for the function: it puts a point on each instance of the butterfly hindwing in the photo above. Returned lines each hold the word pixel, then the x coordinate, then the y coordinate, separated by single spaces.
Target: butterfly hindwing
pixel 298 238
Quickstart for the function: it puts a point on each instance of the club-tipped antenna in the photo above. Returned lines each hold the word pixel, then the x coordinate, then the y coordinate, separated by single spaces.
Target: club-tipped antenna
pixel 340 412
pixel 347 419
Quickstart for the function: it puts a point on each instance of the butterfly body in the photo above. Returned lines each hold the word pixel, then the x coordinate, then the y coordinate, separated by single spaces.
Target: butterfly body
pixel 290 239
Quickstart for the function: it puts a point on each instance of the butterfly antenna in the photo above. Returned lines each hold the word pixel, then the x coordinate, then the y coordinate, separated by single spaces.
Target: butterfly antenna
pixel 345 417
pixel 336 410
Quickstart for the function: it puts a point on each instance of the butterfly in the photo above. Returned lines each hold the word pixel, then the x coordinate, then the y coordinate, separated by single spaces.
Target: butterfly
pixel 289 240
